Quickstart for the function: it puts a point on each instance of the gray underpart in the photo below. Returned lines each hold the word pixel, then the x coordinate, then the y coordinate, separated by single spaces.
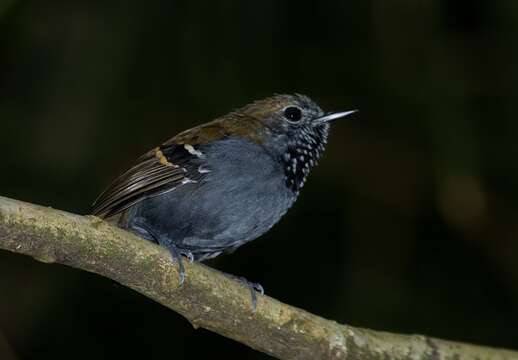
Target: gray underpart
pixel 241 198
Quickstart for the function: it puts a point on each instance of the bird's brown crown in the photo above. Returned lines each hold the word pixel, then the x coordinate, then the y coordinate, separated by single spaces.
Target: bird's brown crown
pixel 253 121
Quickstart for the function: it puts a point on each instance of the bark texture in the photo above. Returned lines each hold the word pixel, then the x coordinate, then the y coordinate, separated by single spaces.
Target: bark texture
pixel 207 298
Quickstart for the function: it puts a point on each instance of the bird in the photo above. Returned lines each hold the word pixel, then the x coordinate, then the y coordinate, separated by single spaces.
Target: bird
pixel 219 185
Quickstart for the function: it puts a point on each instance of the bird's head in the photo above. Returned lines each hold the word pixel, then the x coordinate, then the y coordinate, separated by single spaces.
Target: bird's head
pixel 291 115
pixel 295 128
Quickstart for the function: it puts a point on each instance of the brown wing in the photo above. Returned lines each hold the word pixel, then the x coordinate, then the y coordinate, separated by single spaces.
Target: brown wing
pixel 174 163
pixel 160 170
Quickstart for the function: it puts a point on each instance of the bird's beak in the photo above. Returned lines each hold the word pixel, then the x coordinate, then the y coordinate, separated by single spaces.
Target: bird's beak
pixel 331 117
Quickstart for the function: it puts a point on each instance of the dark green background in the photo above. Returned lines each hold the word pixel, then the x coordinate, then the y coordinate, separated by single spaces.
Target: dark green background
pixel 409 224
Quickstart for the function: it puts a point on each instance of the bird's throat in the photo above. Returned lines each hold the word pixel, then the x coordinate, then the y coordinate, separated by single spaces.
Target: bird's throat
pixel 302 154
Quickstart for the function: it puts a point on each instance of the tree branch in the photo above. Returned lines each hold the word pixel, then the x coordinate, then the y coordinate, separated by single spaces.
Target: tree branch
pixel 207 298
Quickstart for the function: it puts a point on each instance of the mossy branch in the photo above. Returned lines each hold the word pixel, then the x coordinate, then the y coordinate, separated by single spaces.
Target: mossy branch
pixel 207 298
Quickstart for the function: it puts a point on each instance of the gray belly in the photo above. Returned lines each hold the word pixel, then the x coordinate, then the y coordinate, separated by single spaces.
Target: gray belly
pixel 242 197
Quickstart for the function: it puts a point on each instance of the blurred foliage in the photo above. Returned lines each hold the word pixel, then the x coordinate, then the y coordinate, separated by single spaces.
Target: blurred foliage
pixel 409 223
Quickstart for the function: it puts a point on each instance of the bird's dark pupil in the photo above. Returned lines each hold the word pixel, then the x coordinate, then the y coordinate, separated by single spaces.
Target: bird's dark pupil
pixel 293 113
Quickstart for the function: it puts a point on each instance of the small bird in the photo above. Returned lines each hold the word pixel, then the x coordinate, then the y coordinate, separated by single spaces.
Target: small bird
pixel 217 186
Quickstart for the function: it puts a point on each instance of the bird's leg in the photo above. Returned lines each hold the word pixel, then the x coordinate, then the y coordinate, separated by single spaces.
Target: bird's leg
pixel 176 255
pixel 175 252
pixel 253 287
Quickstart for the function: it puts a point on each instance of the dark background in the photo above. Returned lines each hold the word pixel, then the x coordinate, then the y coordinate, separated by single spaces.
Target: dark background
pixel 409 224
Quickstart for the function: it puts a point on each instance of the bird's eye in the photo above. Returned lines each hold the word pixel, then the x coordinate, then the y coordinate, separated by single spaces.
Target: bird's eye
pixel 293 113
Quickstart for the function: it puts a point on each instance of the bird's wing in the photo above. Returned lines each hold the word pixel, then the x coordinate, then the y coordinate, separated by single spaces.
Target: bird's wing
pixel 160 170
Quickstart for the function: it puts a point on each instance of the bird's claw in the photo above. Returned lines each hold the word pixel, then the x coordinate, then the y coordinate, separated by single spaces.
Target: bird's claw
pixel 253 287
pixel 189 255
pixel 177 254
pixel 257 287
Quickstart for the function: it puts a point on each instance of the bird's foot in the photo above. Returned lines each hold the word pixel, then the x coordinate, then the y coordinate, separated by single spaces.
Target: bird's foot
pixel 177 254
pixel 253 287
